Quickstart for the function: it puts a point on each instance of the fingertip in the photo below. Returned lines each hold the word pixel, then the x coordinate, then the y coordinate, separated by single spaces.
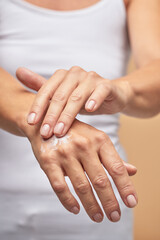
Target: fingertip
pixel 90 105
pixel 115 216
pixel 59 129
pixel 132 170
pixel 88 110
pixel 130 165
pixel 22 70
pixel 132 201
pixel 60 135
pixel 19 69
pixel 98 217
pixel 19 72
pixel 131 174
pixel 31 118
pixel 135 170
pixel 46 131
pixel 75 210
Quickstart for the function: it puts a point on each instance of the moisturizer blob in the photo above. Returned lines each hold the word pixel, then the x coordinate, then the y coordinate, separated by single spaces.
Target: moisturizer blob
pixel 54 142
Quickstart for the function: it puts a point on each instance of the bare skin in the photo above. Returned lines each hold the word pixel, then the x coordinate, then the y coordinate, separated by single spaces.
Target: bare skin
pixel 132 94
pixel 67 5
pixel 144 84
pixel 63 5
pixel 86 150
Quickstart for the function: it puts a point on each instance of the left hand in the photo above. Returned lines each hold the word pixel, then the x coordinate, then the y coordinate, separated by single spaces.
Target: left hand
pixel 83 155
pixel 69 92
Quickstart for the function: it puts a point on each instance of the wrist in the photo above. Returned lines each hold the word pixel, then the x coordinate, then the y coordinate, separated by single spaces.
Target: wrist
pixel 21 117
pixel 125 90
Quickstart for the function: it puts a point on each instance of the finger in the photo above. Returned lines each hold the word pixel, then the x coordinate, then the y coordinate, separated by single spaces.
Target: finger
pixel 58 102
pixel 102 92
pixel 74 104
pixel 132 170
pixel 83 189
pixel 30 79
pixel 114 165
pixel 60 187
pixel 43 97
pixel 102 186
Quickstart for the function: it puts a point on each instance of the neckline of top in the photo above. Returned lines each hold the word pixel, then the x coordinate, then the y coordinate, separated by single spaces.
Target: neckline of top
pixel 61 13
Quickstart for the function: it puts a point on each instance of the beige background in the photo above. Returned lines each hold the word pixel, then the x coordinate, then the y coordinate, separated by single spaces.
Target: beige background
pixel 141 139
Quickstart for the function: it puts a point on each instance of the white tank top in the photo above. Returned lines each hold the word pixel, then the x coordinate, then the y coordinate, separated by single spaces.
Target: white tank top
pixel 43 40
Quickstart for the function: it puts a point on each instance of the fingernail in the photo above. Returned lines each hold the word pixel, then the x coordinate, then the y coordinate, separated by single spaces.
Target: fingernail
pixel 98 217
pixel 131 201
pixel 75 210
pixel 59 128
pixel 45 130
pixel 115 216
pixel 91 105
pixel 132 166
pixel 31 118
pixel 128 164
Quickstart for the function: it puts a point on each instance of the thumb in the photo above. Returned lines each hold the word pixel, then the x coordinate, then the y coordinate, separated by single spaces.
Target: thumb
pixel 132 170
pixel 29 78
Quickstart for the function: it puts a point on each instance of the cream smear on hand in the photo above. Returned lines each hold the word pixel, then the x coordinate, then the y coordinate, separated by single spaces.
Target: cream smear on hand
pixel 54 142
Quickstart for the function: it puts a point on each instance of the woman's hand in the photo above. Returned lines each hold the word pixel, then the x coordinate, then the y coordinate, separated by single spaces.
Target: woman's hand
pixel 67 93
pixel 84 150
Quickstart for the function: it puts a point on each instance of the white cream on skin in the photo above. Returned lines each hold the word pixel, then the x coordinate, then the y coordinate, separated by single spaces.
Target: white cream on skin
pixel 54 142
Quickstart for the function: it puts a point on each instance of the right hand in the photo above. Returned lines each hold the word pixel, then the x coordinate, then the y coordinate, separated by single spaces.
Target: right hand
pixel 69 92
pixel 86 150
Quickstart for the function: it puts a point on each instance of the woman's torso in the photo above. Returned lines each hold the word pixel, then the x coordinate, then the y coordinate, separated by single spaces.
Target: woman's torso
pixel 43 40
pixel 94 38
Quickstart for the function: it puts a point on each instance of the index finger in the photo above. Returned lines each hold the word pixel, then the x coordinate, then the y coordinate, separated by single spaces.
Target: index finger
pixel 57 180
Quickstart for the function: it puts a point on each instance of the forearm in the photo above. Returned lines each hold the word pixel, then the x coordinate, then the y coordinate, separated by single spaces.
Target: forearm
pixel 145 91
pixel 15 102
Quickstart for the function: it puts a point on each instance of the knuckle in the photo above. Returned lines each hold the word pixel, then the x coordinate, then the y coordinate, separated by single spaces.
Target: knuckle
pixel 50 117
pixel 82 188
pixel 48 158
pixel 111 204
pixel 101 137
pixel 67 200
pixel 60 71
pixel 106 86
pixel 91 207
pixel 63 153
pixel 126 188
pixel 43 94
pixel 36 107
pixel 117 168
pixel 92 74
pixel 83 143
pixel 59 97
pixel 67 115
pixel 76 97
pixel 101 182
pixel 59 187
pixel 75 69
pixel 45 160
